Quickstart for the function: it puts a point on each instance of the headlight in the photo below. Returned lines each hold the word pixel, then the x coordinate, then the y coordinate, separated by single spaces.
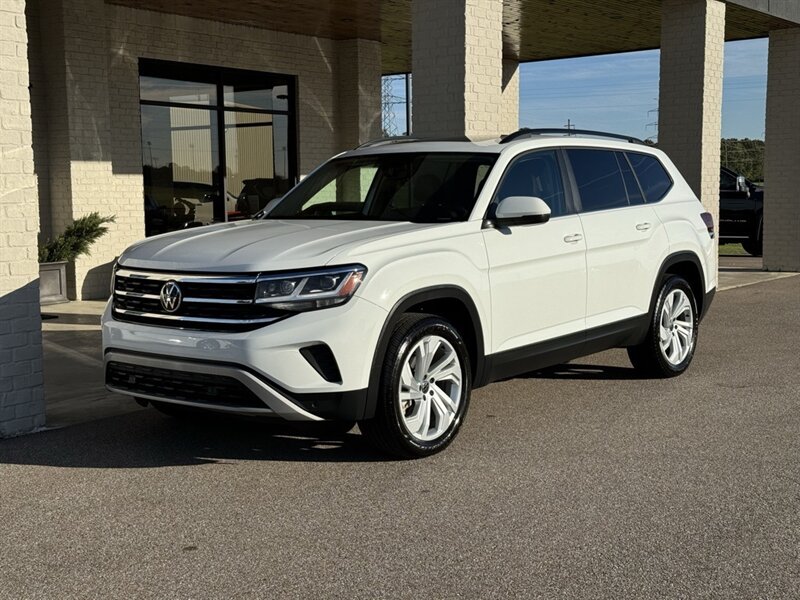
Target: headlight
pixel 309 289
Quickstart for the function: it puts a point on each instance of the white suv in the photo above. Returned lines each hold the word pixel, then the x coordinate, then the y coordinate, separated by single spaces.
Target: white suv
pixel 399 276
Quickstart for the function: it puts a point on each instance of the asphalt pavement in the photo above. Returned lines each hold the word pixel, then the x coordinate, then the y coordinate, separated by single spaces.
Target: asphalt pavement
pixel 581 481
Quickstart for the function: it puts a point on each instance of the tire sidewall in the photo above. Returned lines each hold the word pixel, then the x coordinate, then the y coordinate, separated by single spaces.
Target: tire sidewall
pixel 391 384
pixel 670 285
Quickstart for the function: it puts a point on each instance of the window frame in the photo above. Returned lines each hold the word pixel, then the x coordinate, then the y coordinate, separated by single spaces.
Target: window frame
pixel 218 76
pixel 569 200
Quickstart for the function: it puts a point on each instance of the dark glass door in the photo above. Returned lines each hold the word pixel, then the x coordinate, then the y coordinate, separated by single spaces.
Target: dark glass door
pixel 217 144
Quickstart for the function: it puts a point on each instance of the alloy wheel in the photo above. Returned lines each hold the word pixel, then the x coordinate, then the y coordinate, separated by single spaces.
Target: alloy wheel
pixel 676 327
pixel 430 388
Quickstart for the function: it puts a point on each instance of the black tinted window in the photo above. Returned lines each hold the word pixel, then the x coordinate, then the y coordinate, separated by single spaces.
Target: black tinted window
pixel 631 185
pixel 652 175
pixel 536 174
pixel 599 179
pixel 727 181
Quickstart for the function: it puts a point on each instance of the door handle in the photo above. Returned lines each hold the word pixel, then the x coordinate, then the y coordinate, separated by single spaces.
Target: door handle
pixel 573 239
pixel 643 226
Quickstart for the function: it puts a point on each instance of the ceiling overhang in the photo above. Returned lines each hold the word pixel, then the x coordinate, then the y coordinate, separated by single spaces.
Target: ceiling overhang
pixel 532 29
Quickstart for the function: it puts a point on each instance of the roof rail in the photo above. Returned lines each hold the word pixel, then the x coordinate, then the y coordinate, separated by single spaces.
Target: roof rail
pixel 527 132
pixel 396 139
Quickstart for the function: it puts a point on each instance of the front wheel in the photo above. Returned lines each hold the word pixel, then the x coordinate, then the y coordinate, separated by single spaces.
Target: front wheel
pixel 669 345
pixel 424 391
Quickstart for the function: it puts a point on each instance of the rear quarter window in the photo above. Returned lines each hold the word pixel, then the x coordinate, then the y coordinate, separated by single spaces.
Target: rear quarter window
pixel 652 176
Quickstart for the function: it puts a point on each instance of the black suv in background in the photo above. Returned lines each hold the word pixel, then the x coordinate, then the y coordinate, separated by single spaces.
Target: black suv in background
pixel 741 210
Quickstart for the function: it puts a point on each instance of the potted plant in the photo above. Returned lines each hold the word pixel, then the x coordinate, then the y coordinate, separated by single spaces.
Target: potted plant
pixel 76 241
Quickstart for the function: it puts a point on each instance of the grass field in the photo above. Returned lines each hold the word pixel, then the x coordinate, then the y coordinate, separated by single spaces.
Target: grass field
pixel 732 250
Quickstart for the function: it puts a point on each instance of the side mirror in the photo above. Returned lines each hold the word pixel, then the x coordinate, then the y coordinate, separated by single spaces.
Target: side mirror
pixel 521 210
pixel 741 184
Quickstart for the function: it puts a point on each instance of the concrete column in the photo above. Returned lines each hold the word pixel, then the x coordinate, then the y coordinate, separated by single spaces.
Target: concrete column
pixel 21 395
pixel 781 198
pixel 690 93
pixel 75 54
pixel 457 63
pixel 509 112
pixel 359 94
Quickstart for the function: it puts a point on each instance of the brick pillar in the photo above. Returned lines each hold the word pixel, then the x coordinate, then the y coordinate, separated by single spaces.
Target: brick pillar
pixel 781 197
pixel 75 54
pixel 457 63
pixel 359 93
pixel 690 93
pixel 21 395
pixel 509 112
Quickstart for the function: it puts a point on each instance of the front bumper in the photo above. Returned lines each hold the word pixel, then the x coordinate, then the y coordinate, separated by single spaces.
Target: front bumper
pixel 266 363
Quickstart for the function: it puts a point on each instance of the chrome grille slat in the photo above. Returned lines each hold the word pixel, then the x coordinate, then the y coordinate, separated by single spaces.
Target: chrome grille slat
pixel 210 302
pixel 186 277
pixel 202 300
pixel 135 313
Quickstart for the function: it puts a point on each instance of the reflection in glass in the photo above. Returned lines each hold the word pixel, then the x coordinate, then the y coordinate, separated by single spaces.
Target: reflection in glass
pixel 173 90
pixel 256 96
pixel 256 153
pixel 180 166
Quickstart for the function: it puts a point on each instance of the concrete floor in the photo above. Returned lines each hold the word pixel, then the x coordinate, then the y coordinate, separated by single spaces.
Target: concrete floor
pixel 581 481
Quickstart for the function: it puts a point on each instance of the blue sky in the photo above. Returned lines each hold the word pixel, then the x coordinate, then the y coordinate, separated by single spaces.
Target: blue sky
pixel 619 92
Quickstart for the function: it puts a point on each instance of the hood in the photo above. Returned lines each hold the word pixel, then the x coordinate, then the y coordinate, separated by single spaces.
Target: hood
pixel 261 245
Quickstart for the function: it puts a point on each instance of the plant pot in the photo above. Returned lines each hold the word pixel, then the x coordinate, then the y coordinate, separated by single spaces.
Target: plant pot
pixel 53 282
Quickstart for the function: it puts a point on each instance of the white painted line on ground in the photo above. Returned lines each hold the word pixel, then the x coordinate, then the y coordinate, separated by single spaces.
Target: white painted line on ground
pixel 762 280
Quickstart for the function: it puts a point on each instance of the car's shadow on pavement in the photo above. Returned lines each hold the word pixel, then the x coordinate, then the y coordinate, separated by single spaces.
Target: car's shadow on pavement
pixel 145 439
pixel 584 371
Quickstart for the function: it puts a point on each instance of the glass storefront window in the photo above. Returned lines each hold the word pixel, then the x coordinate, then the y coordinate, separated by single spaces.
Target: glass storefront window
pixel 257 96
pixel 180 157
pixel 253 181
pixel 158 89
pixel 215 147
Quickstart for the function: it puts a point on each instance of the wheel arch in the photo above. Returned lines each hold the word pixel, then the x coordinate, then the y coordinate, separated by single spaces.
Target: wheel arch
pixel 687 265
pixel 450 302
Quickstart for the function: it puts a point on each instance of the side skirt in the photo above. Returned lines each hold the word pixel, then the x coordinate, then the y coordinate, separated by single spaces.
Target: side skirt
pixel 511 363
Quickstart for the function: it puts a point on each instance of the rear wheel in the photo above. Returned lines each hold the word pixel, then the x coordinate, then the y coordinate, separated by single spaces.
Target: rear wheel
pixel 669 346
pixel 424 391
pixel 755 245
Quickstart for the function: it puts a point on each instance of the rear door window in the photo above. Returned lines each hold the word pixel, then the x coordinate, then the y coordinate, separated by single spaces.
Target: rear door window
pixel 599 179
pixel 652 175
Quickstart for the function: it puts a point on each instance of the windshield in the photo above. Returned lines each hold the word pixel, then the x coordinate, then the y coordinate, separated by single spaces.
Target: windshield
pixel 421 187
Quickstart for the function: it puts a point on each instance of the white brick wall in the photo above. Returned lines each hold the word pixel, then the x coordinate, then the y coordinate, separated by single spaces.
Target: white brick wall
pixel 359 98
pixel 781 200
pixel 690 93
pixel 457 62
pixel 21 396
pixel 91 56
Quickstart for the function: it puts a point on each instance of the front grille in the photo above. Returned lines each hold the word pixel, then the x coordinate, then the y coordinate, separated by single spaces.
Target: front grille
pixel 208 302
pixel 169 384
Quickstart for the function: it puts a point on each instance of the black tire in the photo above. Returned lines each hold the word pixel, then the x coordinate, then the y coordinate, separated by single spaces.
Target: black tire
pixel 648 357
pixel 386 430
pixel 755 245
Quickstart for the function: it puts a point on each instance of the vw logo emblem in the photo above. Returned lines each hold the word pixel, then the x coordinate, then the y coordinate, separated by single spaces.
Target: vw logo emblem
pixel 171 296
